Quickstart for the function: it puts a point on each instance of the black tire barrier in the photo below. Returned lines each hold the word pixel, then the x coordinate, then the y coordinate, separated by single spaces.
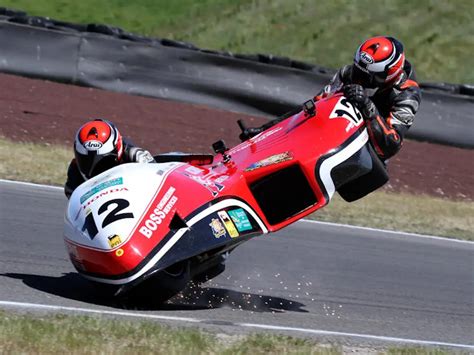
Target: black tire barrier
pixel 110 58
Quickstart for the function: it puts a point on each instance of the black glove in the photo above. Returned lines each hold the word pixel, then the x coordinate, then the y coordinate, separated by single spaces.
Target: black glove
pixel 356 94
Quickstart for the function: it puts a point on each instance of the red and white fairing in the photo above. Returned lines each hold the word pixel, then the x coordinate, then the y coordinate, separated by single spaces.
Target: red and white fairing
pixel 136 218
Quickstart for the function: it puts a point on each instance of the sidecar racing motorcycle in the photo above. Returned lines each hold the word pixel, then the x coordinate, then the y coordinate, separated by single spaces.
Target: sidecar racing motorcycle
pixel 177 220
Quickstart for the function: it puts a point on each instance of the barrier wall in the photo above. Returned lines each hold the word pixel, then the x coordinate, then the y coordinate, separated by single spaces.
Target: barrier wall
pixel 109 58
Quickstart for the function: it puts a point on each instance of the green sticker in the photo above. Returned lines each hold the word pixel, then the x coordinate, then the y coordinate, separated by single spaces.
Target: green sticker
pixel 240 219
pixel 100 187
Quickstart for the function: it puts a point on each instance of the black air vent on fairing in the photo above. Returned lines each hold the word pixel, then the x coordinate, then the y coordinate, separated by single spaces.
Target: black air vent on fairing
pixel 283 194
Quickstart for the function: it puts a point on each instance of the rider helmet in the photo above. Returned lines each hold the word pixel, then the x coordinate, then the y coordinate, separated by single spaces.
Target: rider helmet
pixel 378 62
pixel 97 147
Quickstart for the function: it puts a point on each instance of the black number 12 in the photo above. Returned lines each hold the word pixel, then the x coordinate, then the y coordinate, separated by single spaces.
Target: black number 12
pixel 114 215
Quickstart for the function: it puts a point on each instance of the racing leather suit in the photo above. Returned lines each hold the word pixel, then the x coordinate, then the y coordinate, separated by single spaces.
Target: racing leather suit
pixel 390 110
pixel 131 154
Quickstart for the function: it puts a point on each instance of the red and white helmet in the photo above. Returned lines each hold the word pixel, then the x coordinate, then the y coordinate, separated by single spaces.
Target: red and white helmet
pixel 97 147
pixel 378 62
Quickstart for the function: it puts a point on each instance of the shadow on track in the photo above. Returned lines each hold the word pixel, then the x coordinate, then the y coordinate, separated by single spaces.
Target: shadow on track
pixel 73 286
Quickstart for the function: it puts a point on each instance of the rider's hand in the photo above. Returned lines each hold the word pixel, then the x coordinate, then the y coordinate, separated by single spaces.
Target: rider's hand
pixel 144 156
pixel 356 94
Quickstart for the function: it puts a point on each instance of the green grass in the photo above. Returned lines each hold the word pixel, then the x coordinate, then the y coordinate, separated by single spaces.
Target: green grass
pixel 34 163
pixel 61 334
pixel 406 212
pixel 40 163
pixel 438 35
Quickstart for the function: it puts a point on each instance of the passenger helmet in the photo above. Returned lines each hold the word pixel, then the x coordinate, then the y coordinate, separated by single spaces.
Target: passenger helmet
pixel 378 62
pixel 97 147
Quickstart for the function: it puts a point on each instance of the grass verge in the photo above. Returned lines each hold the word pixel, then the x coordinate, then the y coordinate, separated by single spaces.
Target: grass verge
pixel 404 212
pixel 47 164
pixel 438 35
pixel 61 334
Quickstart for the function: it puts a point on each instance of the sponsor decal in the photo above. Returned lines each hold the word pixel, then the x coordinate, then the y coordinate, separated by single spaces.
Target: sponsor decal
pixel 209 181
pixel 221 179
pixel 366 58
pixel 217 228
pixel 102 194
pixel 156 217
pixel 193 170
pixel 228 224
pixel 100 187
pixel 240 219
pixel 166 168
pixel 114 240
pixel 93 145
pixel 274 159
pixel 119 252
pixel 345 109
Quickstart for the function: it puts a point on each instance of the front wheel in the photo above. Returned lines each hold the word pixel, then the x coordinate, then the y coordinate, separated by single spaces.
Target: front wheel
pixel 161 286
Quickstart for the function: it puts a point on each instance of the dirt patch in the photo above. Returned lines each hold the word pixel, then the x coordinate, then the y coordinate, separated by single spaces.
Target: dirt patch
pixel 42 111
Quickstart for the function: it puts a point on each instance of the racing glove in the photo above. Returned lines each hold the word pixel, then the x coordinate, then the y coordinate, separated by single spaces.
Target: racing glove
pixel 356 95
pixel 384 137
pixel 140 155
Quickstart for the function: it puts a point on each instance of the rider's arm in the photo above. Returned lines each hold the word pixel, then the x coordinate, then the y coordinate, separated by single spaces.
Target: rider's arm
pixel 74 178
pixel 341 77
pixel 387 133
pixel 133 154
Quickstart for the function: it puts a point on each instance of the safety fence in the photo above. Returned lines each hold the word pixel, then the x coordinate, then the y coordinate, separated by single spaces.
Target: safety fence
pixel 109 58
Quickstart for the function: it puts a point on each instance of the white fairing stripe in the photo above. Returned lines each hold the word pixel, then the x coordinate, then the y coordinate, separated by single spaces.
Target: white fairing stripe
pixel 338 158
pixel 214 208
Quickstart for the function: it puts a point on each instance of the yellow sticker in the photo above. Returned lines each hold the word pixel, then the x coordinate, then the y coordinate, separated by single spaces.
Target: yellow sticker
pixel 114 240
pixel 229 225
pixel 217 228
pixel 119 252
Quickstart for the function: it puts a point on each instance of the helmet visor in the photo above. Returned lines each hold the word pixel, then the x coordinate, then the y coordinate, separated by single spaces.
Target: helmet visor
pixel 367 79
pixel 93 164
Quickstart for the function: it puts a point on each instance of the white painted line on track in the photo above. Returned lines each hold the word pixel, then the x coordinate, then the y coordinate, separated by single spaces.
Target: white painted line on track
pixel 416 235
pixel 355 335
pixel 387 231
pixel 245 325
pixel 96 311
pixel 24 183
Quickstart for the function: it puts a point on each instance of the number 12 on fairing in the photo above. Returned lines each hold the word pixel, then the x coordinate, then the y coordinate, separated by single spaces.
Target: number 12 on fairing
pixel 114 215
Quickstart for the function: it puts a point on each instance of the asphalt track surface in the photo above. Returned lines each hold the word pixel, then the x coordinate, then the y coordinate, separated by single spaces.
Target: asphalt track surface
pixel 328 282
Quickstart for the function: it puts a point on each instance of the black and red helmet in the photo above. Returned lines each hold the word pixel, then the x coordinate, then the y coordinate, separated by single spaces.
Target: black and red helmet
pixel 98 147
pixel 378 62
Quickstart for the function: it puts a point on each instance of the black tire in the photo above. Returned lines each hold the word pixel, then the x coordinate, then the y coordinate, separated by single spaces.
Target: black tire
pixel 163 285
pixel 209 273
